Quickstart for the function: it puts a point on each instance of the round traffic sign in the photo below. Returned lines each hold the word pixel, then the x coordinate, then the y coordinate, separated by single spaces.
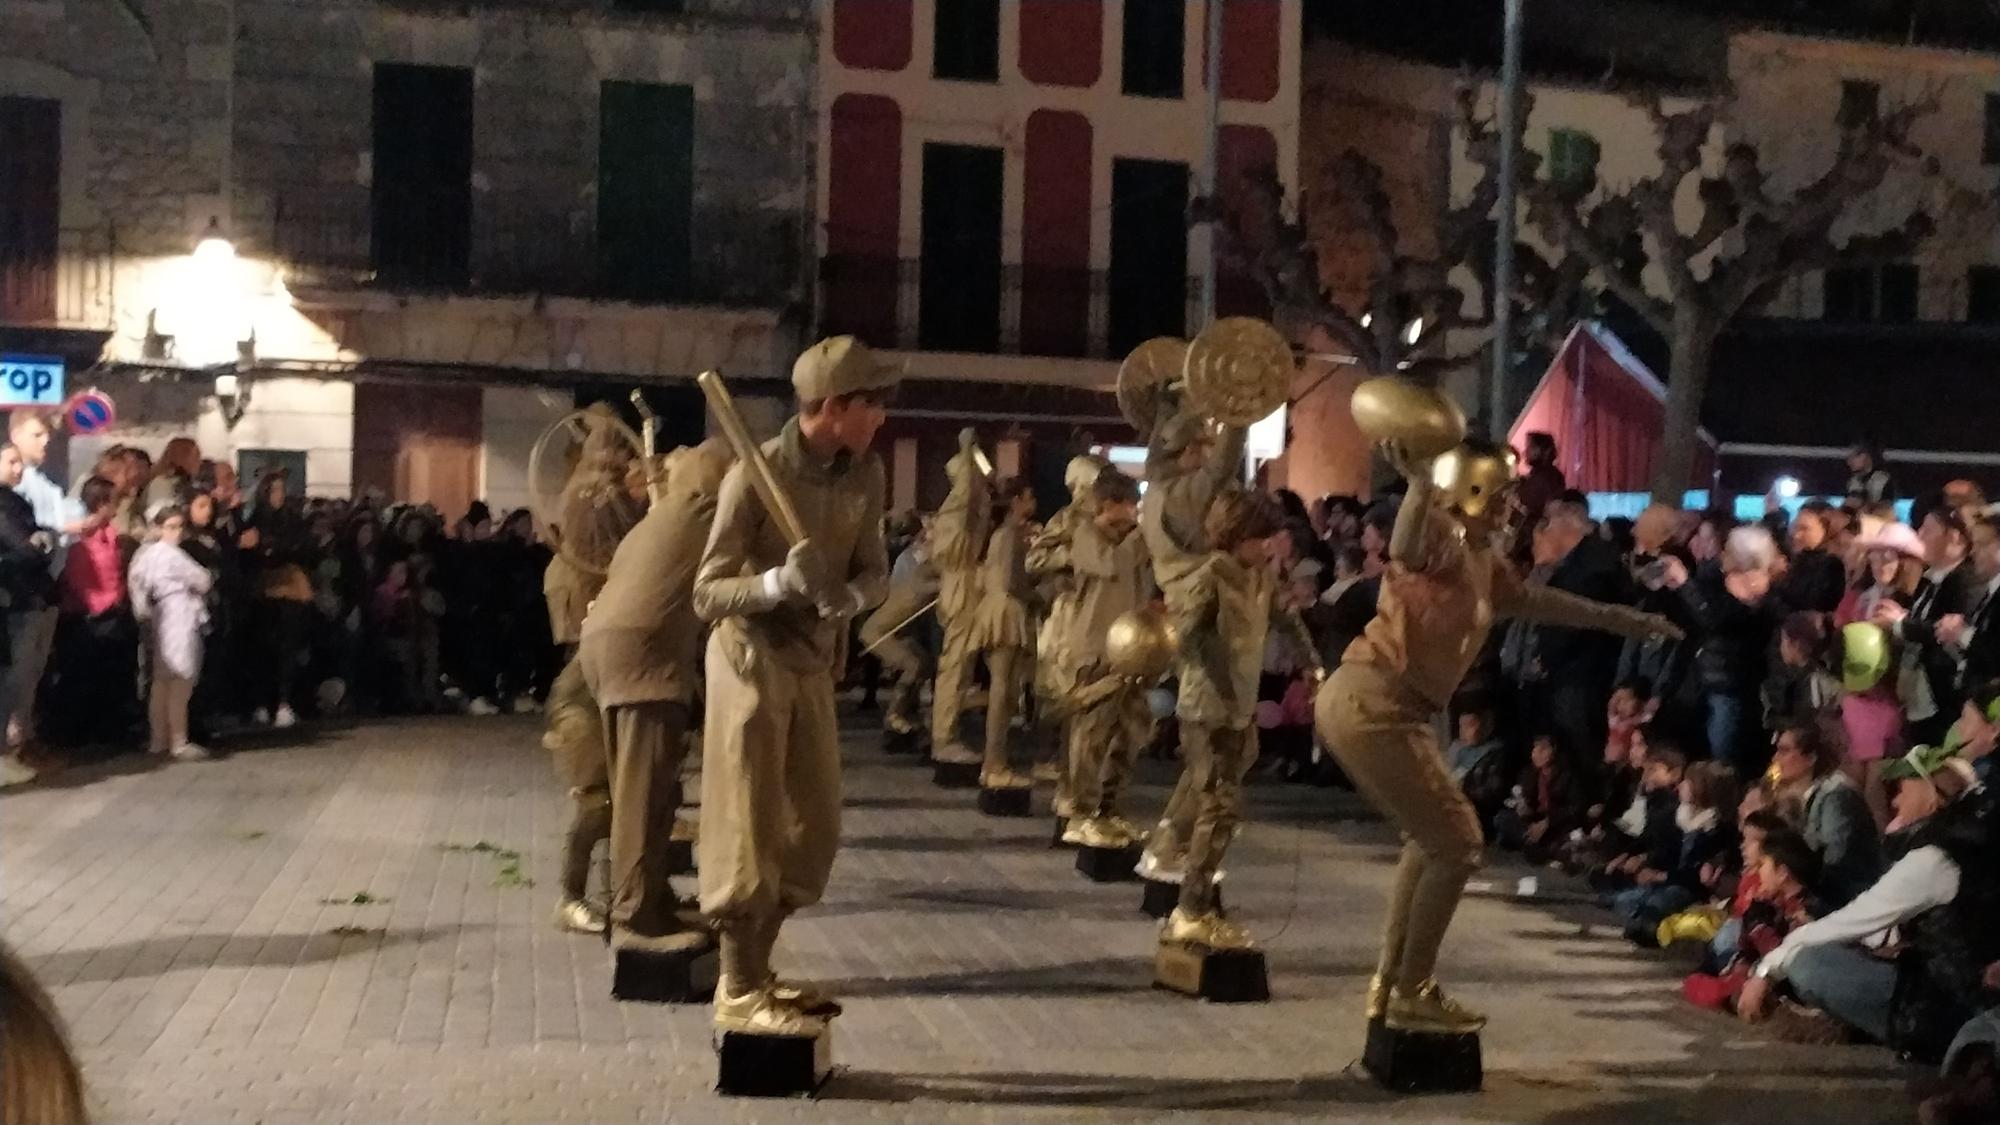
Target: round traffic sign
pixel 89 412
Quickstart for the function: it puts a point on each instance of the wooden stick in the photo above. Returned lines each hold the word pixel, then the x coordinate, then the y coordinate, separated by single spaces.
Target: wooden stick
pixel 776 501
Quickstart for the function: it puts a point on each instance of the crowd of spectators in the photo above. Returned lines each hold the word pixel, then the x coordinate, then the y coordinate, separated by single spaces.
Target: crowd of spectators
pixel 161 604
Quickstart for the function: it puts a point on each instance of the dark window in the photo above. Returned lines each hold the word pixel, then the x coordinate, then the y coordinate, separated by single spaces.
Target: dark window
pixel 30 207
pixel 1982 304
pixel 1860 102
pixel 1573 156
pixel 651 7
pixel 1871 295
pixel 645 188
pixel 1990 152
pixel 967 42
pixel 1896 298
pixel 422 193
pixel 958 304
pixel 1155 33
pixel 1147 287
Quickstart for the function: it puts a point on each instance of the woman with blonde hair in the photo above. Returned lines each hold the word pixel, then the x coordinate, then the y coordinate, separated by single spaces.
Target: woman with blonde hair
pixel 39 1080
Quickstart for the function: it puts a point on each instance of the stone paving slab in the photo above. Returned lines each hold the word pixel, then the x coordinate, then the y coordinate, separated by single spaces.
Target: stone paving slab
pixel 306 934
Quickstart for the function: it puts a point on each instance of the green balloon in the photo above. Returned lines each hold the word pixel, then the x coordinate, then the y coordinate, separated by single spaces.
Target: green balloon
pixel 1864 656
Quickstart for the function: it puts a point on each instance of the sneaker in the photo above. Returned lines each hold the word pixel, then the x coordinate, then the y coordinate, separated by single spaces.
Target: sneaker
pixel 1152 867
pixel 482 707
pixel 189 752
pixel 13 771
pixel 761 1012
pixel 1428 1011
pixel 284 719
pixel 579 917
pixel 261 716
pixel 1210 931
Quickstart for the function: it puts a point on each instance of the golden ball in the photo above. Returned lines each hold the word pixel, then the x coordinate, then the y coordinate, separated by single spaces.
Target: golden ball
pixel 1141 644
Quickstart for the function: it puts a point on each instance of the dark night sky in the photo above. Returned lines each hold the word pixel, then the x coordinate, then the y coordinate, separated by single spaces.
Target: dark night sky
pixel 1469 29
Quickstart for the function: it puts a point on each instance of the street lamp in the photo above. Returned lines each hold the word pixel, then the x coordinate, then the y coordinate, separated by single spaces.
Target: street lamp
pixel 214 246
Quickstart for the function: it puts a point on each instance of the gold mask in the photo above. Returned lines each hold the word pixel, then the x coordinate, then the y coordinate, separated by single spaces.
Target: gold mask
pixel 1473 478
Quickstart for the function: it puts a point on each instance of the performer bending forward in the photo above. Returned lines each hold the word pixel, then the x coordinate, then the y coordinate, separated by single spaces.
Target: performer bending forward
pixel 770 787
pixel 1444 588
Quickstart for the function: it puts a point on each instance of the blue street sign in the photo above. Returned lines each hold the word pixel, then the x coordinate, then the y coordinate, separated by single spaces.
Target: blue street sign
pixel 30 380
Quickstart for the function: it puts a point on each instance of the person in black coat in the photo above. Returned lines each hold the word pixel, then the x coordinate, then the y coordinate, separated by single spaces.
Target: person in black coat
pixel 1547 804
pixel 1732 618
pixel 1814 578
pixel 1976 635
pixel 1573 670
pixel 1949 589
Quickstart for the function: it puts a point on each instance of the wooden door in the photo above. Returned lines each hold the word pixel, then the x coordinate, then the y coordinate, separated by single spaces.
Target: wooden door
pixel 440 471
pixel 419 443
pixel 30 202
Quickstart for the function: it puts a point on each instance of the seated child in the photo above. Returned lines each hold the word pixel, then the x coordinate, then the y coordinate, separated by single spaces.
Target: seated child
pixel 1632 706
pixel 1546 805
pixel 1773 900
pixel 1706 821
pixel 1646 836
pixel 1478 762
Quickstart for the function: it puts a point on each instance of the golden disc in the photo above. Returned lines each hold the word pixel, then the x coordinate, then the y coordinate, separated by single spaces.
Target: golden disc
pixel 1238 371
pixel 1427 422
pixel 1143 379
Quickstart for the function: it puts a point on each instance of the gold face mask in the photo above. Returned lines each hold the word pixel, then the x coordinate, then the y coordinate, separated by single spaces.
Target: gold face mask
pixel 1474 480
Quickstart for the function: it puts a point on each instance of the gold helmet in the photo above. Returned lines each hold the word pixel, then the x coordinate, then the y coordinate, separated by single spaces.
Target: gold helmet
pixel 1475 475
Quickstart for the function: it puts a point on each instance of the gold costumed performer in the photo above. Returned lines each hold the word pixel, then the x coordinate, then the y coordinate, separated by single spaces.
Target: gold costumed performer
pixel 1444 588
pixel 601 501
pixel 958 544
pixel 574 735
pixel 1187 467
pixel 1048 565
pixel 770 795
pixel 1108 716
pixel 641 657
pixel 890 633
pixel 1004 629
pixel 1226 610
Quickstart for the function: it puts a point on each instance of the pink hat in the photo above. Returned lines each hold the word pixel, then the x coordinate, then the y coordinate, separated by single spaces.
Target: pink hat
pixel 1895 537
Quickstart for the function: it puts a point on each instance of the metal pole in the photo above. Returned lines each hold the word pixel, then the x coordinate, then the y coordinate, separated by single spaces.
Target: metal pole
pixel 1503 255
pixel 1211 169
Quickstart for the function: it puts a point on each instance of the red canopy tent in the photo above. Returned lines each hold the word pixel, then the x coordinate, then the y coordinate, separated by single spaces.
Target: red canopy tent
pixel 1605 409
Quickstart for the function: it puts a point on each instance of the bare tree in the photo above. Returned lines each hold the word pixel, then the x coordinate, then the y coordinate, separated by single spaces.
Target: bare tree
pixel 1746 241
pixel 1405 287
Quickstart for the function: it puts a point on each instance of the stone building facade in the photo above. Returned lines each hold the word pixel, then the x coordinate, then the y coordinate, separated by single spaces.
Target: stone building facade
pixel 507 203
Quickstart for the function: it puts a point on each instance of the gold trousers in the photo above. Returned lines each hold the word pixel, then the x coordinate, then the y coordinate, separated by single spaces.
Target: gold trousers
pixel 903 660
pixel 954 669
pixel 1211 804
pixel 589 822
pixel 1104 740
pixel 1006 673
pixel 1380 731
pixel 648 744
pixel 770 788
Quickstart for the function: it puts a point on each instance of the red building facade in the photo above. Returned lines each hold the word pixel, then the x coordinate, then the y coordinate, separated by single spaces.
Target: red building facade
pixel 1003 193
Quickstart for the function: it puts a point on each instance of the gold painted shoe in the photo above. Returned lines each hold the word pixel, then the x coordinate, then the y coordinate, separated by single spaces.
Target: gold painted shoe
pixel 806 998
pixel 1073 831
pixel 1123 827
pixel 1098 832
pixel 1004 779
pixel 1428 1011
pixel 957 754
pixel 762 1012
pixel 1047 773
pixel 1211 931
pixel 899 724
pixel 1378 997
pixel 579 917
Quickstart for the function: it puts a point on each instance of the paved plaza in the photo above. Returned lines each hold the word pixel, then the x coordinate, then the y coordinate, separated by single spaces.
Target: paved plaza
pixel 341 931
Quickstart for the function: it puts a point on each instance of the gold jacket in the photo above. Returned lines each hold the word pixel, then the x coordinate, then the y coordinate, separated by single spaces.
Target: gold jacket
pixel 840 504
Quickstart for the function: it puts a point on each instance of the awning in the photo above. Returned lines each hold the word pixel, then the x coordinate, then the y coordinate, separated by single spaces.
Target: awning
pixel 1606 409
